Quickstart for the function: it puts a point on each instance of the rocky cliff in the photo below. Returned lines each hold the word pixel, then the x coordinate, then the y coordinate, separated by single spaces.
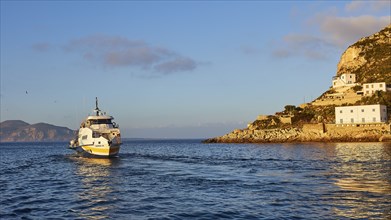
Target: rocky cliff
pixel 370 60
pixel 20 131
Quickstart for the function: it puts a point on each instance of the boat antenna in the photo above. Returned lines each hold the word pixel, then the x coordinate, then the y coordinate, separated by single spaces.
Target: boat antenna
pixel 96 108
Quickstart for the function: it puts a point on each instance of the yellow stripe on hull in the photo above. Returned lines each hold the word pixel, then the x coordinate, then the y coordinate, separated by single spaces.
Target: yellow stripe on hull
pixel 101 151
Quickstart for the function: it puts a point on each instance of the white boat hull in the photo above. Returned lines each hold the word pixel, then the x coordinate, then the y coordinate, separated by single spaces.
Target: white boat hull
pixel 98 135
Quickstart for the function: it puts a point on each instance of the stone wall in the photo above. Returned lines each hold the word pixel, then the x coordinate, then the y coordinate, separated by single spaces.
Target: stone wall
pixel 285 119
pixel 320 127
pixel 346 128
pixel 262 117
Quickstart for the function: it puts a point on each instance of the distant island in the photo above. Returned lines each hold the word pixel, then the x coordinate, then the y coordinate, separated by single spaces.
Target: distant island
pixel 357 107
pixel 20 131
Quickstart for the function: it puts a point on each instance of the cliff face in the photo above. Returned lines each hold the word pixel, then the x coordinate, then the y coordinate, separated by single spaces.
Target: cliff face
pixel 20 131
pixel 369 58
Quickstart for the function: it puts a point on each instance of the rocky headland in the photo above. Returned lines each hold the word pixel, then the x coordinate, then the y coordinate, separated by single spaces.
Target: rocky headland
pixel 317 133
pixel 370 60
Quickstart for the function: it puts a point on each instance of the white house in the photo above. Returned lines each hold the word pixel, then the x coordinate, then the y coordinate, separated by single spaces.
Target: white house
pixel 370 88
pixel 346 79
pixel 361 114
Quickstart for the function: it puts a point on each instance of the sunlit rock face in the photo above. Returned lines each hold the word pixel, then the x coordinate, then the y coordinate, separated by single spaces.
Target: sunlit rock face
pixel 351 60
pixel 369 58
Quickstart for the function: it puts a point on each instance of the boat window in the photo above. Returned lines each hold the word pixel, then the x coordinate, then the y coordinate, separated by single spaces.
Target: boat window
pixel 101 121
pixel 95 135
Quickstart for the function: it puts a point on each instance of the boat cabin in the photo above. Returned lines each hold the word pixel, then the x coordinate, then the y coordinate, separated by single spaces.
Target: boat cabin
pixel 99 122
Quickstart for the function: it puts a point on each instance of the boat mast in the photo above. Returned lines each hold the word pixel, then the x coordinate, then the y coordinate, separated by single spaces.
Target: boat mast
pixel 96 106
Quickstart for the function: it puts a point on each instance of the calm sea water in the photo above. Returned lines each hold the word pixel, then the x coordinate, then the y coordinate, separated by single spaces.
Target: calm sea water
pixel 189 180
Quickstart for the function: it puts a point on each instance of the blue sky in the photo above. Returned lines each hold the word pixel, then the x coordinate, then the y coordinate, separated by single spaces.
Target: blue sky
pixel 173 69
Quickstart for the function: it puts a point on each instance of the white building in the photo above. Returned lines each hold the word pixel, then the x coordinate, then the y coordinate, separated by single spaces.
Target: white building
pixel 361 114
pixel 370 88
pixel 345 79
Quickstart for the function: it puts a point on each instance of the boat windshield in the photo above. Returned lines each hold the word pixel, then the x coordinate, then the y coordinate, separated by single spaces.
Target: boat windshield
pixel 100 121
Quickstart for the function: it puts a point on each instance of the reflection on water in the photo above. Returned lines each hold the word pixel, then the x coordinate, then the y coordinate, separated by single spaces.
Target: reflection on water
pixel 189 180
pixel 360 169
pixel 362 166
pixel 95 161
pixel 96 185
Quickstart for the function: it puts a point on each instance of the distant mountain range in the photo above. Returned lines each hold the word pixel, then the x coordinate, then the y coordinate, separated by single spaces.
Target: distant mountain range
pixel 20 131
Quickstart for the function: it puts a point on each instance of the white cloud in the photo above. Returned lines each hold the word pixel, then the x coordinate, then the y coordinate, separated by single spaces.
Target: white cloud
pixel 360 19
pixel 368 6
pixel 328 30
pixel 115 51
pixel 176 65
pixel 250 50
pixel 302 45
pixel 41 47
pixel 343 31
pixel 354 6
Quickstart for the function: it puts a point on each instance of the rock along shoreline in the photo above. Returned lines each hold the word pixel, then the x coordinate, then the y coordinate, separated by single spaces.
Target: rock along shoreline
pixel 379 132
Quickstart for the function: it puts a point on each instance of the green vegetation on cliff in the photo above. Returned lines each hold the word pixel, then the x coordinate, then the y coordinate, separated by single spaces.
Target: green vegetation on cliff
pixel 376 51
pixel 370 60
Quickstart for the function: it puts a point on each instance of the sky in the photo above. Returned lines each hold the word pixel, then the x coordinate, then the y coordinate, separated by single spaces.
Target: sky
pixel 173 69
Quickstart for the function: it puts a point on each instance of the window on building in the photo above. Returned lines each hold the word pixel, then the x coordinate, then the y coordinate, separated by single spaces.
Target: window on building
pixel 362 110
pixel 372 86
pixel 374 119
pixel 363 120
pixel 367 86
pixel 341 121
pixel 350 76
pixel 352 120
pixel 340 111
pixel 373 110
pixel 381 85
pixel 351 111
pixel 367 92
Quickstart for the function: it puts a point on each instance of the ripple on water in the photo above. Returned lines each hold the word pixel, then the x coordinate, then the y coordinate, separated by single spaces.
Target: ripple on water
pixel 186 179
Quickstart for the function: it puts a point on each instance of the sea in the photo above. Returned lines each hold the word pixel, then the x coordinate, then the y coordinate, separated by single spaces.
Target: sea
pixel 186 179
